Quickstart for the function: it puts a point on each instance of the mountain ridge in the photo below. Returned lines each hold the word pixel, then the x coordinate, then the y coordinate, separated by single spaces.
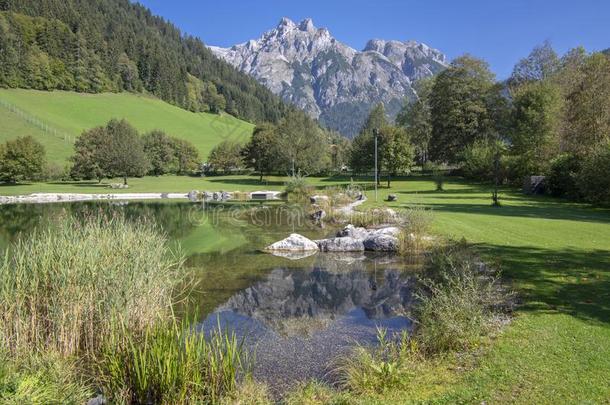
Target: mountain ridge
pixel 330 80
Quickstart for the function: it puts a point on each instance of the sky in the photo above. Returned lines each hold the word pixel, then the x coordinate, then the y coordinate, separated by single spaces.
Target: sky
pixel 499 31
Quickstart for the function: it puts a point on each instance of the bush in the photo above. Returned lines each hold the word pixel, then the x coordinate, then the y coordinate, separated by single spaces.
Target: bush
pixel 562 178
pixel 459 301
pixel 594 178
pixel 298 187
pixel 21 159
pixel 414 237
pixel 478 161
pixel 64 289
pixel 56 172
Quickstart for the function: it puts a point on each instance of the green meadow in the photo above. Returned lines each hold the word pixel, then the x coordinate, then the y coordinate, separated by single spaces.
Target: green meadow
pixel 56 118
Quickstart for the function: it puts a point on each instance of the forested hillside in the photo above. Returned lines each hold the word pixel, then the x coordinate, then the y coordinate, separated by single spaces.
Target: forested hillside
pixel 99 46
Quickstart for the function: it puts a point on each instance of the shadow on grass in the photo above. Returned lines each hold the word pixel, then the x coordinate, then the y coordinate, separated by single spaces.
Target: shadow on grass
pixel 571 281
pixel 79 184
pixel 247 182
pixel 15 184
pixel 534 209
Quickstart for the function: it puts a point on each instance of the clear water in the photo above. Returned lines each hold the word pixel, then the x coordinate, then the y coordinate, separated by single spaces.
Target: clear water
pixel 296 316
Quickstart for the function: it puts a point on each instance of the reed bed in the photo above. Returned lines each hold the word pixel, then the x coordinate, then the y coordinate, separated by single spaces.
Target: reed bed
pixel 64 288
pixel 86 307
pixel 171 365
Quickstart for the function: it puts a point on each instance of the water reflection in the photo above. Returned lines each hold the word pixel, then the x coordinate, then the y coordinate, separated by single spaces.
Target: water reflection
pixel 296 315
pixel 297 321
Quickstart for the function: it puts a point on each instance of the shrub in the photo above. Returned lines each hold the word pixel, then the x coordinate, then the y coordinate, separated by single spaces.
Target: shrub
pixel 414 237
pixel 63 289
pixel 459 300
pixel 56 172
pixel 298 187
pixel 562 178
pixel 478 161
pixel 594 178
pixel 44 378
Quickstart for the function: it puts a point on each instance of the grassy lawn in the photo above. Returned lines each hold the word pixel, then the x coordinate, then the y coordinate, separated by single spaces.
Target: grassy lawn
pixel 555 253
pixel 70 113
pixel 170 184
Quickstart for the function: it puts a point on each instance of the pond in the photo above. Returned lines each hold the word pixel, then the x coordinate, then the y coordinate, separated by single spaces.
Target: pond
pixel 296 316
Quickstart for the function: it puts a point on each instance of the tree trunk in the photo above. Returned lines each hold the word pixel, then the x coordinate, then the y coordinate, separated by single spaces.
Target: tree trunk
pixel 261 179
pixel 124 180
pixel 388 180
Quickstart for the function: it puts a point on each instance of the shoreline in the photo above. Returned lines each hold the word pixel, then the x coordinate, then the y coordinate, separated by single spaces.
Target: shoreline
pixel 44 198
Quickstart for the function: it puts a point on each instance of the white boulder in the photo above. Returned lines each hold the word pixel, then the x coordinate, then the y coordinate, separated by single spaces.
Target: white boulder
pixel 294 242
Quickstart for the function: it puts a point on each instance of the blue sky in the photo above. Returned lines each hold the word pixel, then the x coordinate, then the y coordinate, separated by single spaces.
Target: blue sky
pixel 500 31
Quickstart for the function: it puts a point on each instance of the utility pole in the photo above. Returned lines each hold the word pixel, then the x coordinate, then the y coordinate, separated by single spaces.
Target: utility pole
pixel 376 132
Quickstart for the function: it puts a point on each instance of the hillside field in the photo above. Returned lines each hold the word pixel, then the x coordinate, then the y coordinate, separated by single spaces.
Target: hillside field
pixel 57 118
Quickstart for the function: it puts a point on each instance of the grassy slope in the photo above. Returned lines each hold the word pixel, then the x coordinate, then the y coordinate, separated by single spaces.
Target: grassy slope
pixel 70 113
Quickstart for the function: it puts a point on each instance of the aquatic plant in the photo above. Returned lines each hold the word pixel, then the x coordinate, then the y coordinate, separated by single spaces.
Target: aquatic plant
pixel 63 289
pixel 460 300
pixel 171 364
pixel 389 365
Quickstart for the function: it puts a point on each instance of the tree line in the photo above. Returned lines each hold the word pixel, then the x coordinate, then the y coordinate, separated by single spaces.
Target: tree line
pixel 295 145
pixel 110 151
pixel 115 45
pixel 551 117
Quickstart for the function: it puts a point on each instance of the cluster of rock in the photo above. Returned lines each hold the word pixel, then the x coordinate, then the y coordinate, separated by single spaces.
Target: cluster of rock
pixel 118 186
pixel 40 198
pixel 196 195
pixel 349 239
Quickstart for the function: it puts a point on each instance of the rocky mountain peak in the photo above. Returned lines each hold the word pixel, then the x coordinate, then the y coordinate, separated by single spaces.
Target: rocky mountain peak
pixel 307 25
pixel 330 80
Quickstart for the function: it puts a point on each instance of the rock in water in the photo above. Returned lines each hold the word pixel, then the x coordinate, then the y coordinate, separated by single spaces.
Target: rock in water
pixel 381 243
pixel 344 244
pixel 353 232
pixel 318 216
pixel 316 199
pixel 294 242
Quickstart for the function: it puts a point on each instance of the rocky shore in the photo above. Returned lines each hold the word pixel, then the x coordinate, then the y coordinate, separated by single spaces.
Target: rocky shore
pixel 349 239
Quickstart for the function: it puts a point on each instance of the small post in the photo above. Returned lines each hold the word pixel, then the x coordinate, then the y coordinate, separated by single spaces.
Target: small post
pixel 375 132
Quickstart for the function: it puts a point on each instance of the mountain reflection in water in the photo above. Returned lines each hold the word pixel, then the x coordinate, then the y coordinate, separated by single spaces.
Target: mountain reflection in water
pixel 297 321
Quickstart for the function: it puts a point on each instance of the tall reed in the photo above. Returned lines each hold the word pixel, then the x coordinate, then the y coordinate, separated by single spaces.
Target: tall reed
pixel 63 289
pixel 171 365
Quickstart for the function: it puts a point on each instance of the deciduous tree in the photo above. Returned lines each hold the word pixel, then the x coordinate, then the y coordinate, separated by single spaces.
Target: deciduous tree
pixel 21 159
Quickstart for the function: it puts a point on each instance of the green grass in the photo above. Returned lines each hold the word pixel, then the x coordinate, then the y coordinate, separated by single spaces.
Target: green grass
pixel 68 114
pixel 555 253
